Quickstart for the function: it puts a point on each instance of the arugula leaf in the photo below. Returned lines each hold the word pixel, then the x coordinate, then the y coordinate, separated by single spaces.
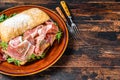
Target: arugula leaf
pixel 43 55
pixel 12 60
pixel 3 17
pixel 38 57
pixel 17 62
pixel 32 57
pixel 4 45
pixel 58 35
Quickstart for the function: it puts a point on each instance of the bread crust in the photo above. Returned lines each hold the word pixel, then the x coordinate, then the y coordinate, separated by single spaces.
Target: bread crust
pixel 21 22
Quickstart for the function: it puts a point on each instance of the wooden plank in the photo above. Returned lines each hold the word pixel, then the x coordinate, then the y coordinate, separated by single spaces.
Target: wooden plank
pixel 98 25
pixel 28 1
pixel 69 73
pixel 89 17
pixel 103 51
pixel 97 11
pixel 72 4
pixel 68 1
pixel 95 59
pixel 95 39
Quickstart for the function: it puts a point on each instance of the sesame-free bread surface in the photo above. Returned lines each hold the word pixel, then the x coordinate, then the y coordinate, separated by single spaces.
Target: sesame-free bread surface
pixel 21 22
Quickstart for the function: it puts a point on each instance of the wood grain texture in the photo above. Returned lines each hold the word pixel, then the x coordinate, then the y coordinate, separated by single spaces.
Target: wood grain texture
pixel 96 53
pixel 68 1
pixel 71 73
pixel 100 17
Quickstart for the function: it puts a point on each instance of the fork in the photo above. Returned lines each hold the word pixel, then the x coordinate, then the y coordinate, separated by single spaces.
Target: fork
pixel 73 25
pixel 70 29
pixel 75 31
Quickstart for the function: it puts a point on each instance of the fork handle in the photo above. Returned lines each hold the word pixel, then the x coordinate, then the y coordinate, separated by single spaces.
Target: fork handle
pixel 61 13
pixel 65 8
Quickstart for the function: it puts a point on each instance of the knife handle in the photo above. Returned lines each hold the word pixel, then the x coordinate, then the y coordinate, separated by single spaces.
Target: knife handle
pixel 61 13
pixel 65 8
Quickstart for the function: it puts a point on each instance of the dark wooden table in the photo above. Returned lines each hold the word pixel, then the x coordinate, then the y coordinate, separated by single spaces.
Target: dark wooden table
pixel 99 24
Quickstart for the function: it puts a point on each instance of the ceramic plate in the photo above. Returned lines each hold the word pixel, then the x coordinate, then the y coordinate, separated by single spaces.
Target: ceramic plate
pixel 54 53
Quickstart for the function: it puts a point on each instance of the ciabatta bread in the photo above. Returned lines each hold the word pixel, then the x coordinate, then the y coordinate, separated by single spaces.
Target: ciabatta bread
pixel 21 22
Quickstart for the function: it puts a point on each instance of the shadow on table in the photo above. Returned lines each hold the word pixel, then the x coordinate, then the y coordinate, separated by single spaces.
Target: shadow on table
pixel 104 49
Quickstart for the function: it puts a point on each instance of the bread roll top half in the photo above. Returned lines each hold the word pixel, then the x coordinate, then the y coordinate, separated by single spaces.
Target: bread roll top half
pixel 21 22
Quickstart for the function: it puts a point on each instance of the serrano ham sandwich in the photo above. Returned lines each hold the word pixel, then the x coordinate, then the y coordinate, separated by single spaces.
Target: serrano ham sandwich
pixel 26 34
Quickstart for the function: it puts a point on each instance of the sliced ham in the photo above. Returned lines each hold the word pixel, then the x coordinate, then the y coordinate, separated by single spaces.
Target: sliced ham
pixel 28 33
pixel 30 51
pixel 16 41
pixel 46 37
pixel 53 30
pixel 19 52
pixel 33 33
pixel 33 41
pixel 39 40
pixel 2 56
pixel 50 38
pixel 40 47
pixel 51 34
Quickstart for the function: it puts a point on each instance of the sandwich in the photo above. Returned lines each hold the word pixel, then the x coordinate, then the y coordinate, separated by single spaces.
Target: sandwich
pixel 26 36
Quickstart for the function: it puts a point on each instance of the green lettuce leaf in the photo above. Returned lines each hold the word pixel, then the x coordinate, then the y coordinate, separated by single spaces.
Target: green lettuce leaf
pixel 3 17
pixel 59 35
pixel 4 45
pixel 12 60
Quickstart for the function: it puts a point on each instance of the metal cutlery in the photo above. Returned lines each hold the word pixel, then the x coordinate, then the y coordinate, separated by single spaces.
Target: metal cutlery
pixel 73 28
pixel 71 31
pixel 73 25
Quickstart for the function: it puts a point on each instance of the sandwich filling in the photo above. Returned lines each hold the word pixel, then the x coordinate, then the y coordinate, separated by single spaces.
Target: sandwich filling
pixel 33 41
pixel 26 38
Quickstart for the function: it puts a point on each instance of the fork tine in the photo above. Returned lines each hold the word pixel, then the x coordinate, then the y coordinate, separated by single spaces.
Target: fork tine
pixel 72 32
pixel 76 31
pixel 74 36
